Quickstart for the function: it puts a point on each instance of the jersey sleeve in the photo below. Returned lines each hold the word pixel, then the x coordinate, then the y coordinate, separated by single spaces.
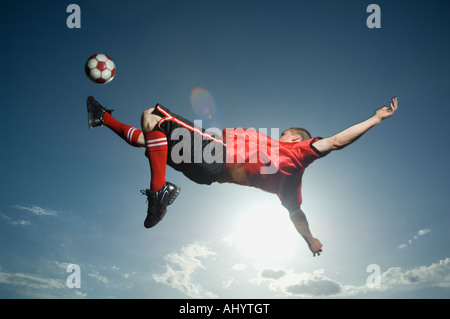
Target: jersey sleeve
pixel 307 153
pixel 321 154
pixel 291 193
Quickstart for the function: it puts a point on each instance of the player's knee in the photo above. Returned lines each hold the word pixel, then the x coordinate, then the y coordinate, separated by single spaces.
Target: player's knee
pixel 148 113
pixel 149 120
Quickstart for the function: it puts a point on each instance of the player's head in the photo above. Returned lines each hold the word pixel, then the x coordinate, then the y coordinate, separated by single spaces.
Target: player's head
pixel 294 135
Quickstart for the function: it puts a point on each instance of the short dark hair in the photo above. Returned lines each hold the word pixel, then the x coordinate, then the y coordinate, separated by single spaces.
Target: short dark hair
pixel 299 131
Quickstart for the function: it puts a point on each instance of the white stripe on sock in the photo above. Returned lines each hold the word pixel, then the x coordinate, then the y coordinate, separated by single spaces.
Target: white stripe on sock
pixel 157 140
pixel 130 134
pixel 156 144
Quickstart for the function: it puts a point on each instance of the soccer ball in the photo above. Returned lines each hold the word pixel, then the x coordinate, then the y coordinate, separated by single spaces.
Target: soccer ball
pixel 100 68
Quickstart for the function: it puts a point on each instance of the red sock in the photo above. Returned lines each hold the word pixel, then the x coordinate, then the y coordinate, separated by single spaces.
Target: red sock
pixel 126 132
pixel 156 145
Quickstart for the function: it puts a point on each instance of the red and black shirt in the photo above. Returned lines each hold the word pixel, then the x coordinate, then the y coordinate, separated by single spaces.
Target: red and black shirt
pixel 254 159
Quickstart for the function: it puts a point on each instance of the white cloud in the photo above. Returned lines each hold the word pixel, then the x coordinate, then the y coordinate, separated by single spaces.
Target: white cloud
pixel 306 285
pixel 20 222
pixel 63 265
pixel 316 284
pixel 36 286
pixel 315 287
pixel 36 210
pixel 420 233
pixel 80 294
pixel 188 262
pixel 239 267
pixel 99 277
pixel 30 281
pixel 435 275
pixel 272 274
pixel 227 283
pixel 128 275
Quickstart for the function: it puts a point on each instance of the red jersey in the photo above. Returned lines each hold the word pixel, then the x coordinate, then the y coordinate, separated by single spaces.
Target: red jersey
pixel 254 159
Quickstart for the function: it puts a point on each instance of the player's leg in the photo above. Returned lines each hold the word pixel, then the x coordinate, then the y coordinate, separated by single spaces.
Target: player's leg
pixel 156 148
pixel 161 193
pixel 99 116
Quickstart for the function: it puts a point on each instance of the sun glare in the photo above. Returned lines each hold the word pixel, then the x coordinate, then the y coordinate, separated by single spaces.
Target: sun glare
pixel 266 234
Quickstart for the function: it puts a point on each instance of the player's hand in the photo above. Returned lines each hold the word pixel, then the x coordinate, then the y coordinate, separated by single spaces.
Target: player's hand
pixel 315 246
pixel 385 112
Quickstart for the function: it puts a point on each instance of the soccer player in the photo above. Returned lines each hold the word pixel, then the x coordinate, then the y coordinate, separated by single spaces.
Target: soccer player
pixel 240 156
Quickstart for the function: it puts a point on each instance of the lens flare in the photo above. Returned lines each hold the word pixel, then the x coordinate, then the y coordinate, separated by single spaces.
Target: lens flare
pixel 203 103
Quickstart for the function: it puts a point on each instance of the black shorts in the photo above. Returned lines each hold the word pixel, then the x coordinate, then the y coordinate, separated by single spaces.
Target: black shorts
pixel 198 153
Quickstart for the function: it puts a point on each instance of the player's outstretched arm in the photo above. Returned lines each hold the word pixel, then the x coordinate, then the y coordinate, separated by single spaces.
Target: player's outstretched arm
pixel 351 134
pixel 300 222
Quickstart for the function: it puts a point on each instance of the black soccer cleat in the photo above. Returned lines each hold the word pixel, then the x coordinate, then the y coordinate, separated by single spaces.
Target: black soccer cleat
pixel 158 202
pixel 95 112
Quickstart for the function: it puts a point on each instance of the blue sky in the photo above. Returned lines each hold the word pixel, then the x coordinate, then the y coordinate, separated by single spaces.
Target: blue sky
pixel 70 195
